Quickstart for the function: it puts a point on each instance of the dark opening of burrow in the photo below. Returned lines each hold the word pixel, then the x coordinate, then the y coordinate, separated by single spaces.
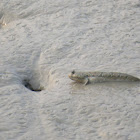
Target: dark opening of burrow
pixel 31 87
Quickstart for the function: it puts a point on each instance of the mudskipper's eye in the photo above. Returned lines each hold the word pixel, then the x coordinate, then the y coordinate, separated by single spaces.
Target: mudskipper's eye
pixel 73 72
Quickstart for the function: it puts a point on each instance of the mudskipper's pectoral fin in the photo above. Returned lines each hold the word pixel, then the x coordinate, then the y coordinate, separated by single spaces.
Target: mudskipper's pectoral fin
pixel 86 81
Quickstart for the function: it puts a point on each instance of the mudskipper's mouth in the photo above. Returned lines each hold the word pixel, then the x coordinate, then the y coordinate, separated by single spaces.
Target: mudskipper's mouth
pixel 74 78
pixel 69 76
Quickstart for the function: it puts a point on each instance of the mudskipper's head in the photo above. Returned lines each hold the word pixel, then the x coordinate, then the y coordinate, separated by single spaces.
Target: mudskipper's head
pixel 76 76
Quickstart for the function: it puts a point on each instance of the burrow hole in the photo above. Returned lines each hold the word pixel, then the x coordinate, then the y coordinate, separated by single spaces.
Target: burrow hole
pixel 28 84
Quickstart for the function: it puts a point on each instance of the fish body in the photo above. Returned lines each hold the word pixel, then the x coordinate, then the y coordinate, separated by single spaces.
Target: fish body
pixel 88 77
